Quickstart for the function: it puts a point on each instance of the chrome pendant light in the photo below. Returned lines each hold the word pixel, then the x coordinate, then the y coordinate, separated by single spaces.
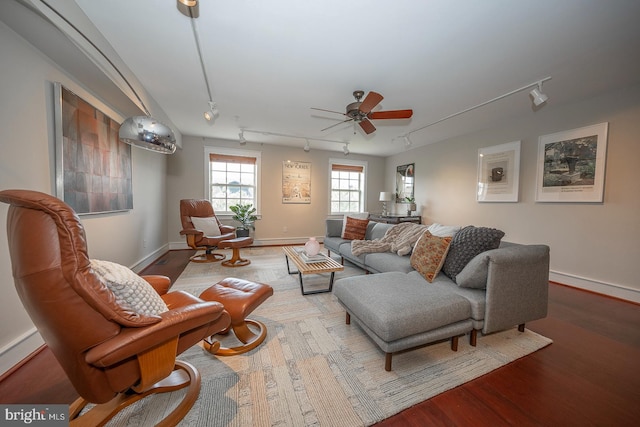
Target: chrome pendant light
pixel 141 131
pixel 145 132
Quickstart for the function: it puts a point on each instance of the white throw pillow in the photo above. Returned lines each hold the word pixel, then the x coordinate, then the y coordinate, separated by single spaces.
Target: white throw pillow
pixel 132 291
pixel 209 226
pixel 443 230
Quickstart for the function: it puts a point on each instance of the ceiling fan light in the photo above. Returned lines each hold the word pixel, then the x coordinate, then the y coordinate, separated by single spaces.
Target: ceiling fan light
pixel 537 96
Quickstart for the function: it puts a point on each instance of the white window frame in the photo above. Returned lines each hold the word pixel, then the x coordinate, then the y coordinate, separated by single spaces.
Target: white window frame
pixel 233 152
pixel 365 165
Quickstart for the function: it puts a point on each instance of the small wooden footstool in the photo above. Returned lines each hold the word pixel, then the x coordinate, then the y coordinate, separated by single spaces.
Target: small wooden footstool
pixel 239 297
pixel 236 244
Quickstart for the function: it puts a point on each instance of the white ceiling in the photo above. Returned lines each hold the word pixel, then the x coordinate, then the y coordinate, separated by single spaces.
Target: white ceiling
pixel 269 62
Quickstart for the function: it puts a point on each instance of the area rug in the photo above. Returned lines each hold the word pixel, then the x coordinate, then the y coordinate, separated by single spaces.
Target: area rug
pixel 313 369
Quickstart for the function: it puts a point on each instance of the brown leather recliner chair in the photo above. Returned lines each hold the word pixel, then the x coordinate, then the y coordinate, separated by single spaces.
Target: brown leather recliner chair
pixel 113 356
pixel 196 238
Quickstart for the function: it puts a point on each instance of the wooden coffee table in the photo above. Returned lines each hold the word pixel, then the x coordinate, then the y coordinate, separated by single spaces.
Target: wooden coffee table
pixel 328 266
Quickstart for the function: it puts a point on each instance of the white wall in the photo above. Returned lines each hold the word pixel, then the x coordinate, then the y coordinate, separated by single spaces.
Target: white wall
pixel 27 162
pixel 593 245
pixel 186 180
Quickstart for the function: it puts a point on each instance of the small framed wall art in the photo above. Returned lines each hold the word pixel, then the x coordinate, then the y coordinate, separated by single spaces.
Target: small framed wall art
pixel 498 173
pixel 571 165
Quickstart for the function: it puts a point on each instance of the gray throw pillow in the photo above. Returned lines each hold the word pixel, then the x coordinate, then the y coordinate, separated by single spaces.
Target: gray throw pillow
pixel 474 274
pixel 466 244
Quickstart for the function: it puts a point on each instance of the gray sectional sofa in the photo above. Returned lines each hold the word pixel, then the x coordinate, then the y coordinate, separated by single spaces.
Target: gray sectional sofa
pixel 399 309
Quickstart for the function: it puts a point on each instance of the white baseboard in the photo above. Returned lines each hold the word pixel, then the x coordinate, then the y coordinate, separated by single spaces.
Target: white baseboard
pixel 21 347
pixel 610 289
pixel 146 261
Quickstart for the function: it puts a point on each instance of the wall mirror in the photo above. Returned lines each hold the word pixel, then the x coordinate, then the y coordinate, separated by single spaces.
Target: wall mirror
pixel 405 177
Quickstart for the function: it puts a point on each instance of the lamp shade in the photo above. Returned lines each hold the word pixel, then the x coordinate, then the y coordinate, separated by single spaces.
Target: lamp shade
pixel 146 132
pixel 386 196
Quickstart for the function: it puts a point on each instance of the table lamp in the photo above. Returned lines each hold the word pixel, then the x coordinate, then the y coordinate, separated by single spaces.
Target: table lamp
pixel 385 196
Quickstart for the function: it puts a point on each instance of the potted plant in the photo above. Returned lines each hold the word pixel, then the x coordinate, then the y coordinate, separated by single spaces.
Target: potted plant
pixel 412 204
pixel 245 215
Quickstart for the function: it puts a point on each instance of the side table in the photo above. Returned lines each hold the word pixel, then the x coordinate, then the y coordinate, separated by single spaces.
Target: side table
pixel 395 218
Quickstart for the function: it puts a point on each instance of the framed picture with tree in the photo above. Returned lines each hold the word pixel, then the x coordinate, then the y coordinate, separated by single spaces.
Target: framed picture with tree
pixel 571 165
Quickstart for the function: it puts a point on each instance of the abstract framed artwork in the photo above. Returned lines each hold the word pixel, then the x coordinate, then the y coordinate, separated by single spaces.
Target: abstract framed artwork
pixel 93 167
pixel 498 173
pixel 571 165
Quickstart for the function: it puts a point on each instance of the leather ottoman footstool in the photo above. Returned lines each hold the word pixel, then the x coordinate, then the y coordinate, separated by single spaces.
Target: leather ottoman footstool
pixel 239 297
pixel 399 313
pixel 236 244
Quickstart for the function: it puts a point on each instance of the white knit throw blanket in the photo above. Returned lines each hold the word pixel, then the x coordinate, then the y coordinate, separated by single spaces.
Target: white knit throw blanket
pixel 399 238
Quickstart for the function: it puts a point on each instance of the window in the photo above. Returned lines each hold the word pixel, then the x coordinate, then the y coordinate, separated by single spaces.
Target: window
pixel 347 186
pixel 231 178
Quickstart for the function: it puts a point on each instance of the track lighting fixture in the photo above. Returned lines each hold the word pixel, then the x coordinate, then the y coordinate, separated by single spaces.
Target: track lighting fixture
pixel 212 113
pixel 407 141
pixel 537 96
pixel 242 139
pixel 346 149
pixel 307 147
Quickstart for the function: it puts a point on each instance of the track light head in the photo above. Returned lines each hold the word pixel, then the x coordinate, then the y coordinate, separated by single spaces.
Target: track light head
pixel 537 96
pixel 307 147
pixel 242 139
pixel 345 149
pixel 213 112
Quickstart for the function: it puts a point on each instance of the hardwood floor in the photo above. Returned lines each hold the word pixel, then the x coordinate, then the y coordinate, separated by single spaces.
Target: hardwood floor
pixel 590 375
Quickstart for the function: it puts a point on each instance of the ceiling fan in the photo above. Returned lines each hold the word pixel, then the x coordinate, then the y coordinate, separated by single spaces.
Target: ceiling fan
pixel 360 112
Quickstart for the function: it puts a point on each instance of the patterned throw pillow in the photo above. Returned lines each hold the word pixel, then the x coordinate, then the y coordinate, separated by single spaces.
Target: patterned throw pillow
pixel 466 244
pixel 429 254
pixel 355 229
pixel 132 291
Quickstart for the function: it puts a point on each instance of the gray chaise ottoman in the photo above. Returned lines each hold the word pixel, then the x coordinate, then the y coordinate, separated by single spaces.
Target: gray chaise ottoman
pixel 400 313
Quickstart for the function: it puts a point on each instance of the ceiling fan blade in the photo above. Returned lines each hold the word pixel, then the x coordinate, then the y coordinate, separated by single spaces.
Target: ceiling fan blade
pixel 339 123
pixel 328 111
pixel 371 100
pixel 391 114
pixel 367 126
